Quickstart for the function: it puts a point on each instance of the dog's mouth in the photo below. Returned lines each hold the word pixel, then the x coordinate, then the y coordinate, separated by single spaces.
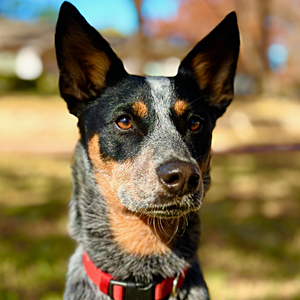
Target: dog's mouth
pixel 173 208
pixel 161 205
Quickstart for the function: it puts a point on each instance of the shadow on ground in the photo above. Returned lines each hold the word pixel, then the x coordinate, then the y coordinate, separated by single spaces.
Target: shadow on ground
pixel 34 247
pixel 250 219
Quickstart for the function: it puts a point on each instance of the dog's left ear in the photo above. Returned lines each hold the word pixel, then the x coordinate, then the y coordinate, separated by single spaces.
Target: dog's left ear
pixel 212 64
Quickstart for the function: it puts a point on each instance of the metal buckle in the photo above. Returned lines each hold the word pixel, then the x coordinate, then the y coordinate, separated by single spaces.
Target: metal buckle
pixel 175 284
pixel 133 290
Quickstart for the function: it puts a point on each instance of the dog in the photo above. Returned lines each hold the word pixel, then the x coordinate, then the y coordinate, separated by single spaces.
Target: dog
pixel 141 166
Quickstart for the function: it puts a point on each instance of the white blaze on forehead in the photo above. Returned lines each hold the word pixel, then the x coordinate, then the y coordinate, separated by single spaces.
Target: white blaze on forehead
pixel 165 137
pixel 162 93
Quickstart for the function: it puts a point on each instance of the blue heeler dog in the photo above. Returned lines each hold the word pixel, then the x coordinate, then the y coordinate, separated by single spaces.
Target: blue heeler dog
pixel 142 162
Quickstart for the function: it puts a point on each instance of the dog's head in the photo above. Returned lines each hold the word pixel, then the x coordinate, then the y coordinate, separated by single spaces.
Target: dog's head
pixel 148 139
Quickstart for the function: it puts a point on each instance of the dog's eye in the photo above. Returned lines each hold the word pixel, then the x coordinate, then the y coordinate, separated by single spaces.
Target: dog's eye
pixel 124 122
pixel 194 123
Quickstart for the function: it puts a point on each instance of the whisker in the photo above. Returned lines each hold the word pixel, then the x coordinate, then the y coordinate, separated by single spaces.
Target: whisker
pixel 199 98
pixel 201 156
pixel 174 232
pixel 185 224
pixel 154 225
pixel 162 228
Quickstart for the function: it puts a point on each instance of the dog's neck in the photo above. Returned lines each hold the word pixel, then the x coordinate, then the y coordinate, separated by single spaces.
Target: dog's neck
pixel 93 229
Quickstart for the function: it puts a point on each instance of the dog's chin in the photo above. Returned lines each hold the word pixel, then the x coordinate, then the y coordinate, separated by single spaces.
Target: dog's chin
pixel 166 207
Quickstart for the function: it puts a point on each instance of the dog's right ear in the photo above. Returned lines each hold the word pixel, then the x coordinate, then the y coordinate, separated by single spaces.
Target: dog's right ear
pixel 86 62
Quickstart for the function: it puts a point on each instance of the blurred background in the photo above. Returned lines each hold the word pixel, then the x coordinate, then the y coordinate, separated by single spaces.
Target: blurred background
pixel 250 218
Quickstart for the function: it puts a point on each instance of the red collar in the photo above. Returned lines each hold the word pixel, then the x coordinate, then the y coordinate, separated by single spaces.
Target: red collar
pixel 123 290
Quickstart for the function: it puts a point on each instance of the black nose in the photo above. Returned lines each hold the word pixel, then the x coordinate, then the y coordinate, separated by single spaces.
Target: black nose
pixel 179 178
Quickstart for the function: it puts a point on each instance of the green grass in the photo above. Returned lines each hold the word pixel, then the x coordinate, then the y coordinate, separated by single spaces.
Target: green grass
pixel 34 246
pixel 250 220
pixel 251 233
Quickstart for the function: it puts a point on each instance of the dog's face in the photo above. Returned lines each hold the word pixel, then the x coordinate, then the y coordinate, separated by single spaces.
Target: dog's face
pixel 153 143
pixel 148 139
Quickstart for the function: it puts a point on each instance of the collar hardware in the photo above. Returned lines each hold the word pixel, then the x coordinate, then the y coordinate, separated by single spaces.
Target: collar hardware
pixel 175 285
pixel 133 290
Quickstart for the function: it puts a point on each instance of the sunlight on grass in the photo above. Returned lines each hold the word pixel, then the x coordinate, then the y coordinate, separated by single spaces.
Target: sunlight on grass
pixel 35 247
pixel 250 220
pixel 29 180
pixel 250 223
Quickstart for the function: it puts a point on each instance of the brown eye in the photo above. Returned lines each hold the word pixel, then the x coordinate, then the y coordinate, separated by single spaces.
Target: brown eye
pixel 194 123
pixel 124 122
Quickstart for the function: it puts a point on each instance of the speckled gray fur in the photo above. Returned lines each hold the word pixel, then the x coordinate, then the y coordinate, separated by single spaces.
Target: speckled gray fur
pixel 162 92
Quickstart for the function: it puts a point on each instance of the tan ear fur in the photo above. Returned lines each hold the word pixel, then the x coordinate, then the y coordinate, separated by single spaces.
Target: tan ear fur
pixel 86 66
pixel 217 82
pixel 211 65
pixel 86 62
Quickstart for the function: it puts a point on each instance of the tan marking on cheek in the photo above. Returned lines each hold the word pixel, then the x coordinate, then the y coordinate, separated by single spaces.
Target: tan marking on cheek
pixel 140 109
pixel 93 149
pixel 180 107
pixel 132 233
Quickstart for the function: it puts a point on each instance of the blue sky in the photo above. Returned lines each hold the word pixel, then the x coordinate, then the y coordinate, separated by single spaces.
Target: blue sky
pixel 120 15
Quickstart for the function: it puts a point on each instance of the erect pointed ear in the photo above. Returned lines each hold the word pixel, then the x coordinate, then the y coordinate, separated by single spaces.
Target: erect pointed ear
pixel 212 63
pixel 86 62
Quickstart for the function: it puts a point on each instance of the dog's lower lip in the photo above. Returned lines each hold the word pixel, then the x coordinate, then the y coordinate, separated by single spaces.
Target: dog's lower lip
pixel 167 211
pixel 173 207
pixel 165 214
